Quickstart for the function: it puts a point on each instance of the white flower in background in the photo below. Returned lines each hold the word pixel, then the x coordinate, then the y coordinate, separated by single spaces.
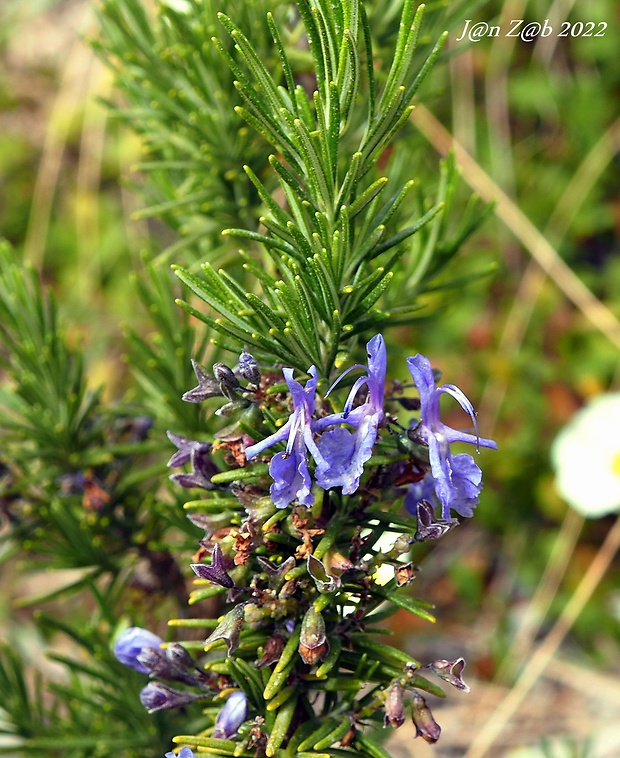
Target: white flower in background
pixel 586 458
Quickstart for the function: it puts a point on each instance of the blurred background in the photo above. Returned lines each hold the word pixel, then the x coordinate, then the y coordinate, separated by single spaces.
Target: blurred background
pixel 537 132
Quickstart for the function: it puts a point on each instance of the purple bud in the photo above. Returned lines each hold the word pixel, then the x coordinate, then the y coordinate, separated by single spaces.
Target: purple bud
pixel 425 724
pixel 178 656
pixel 232 715
pixel 131 643
pixel 159 697
pixel 196 453
pixel 153 660
pixel 172 664
pixel 248 369
pixel 227 380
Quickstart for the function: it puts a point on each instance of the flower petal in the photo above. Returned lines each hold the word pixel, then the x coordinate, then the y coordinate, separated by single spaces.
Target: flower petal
pixel 346 453
pixel 291 479
pixel 422 375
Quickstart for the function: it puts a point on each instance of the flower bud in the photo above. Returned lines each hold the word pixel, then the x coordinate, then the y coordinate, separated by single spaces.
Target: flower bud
pixel 178 656
pixel 131 643
pixel 196 453
pixel 153 660
pixel 207 386
pixel 248 369
pixel 232 715
pixel 425 724
pixel 159 697
pixel 313 645
pixel 172 666
pixel 227 380
pixel 394 707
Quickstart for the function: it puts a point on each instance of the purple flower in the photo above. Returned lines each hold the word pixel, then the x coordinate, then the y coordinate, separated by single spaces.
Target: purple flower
pixel 131 643
pixel 196 453
pixel 458 480
pixel 232 715
pixel 185 752
pixel 289 469
pixel 342 453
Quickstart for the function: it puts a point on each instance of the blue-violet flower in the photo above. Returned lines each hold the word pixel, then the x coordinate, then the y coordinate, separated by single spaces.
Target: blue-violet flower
pixel 458 480
pixel 232 715
pixel 131 643
pixel 185 752
pixel 342 453
pixel 289 469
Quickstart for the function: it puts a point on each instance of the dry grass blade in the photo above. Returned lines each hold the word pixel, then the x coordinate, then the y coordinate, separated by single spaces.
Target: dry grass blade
pixel 547 649
pixel 517 222
pixel 533 280
pixel 68 101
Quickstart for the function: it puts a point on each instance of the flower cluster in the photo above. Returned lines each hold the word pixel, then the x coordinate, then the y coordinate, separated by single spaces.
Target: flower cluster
pixel 141 650
pixel 301 584
pixel 340 454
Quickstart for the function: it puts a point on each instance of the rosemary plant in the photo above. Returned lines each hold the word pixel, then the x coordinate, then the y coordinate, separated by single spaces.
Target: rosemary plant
pixel 299 491
pixel 315 467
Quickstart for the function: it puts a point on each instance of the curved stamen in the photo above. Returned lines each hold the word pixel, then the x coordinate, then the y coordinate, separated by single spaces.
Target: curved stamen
pixel 344 373
pixel 462 399
pixel 359 383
